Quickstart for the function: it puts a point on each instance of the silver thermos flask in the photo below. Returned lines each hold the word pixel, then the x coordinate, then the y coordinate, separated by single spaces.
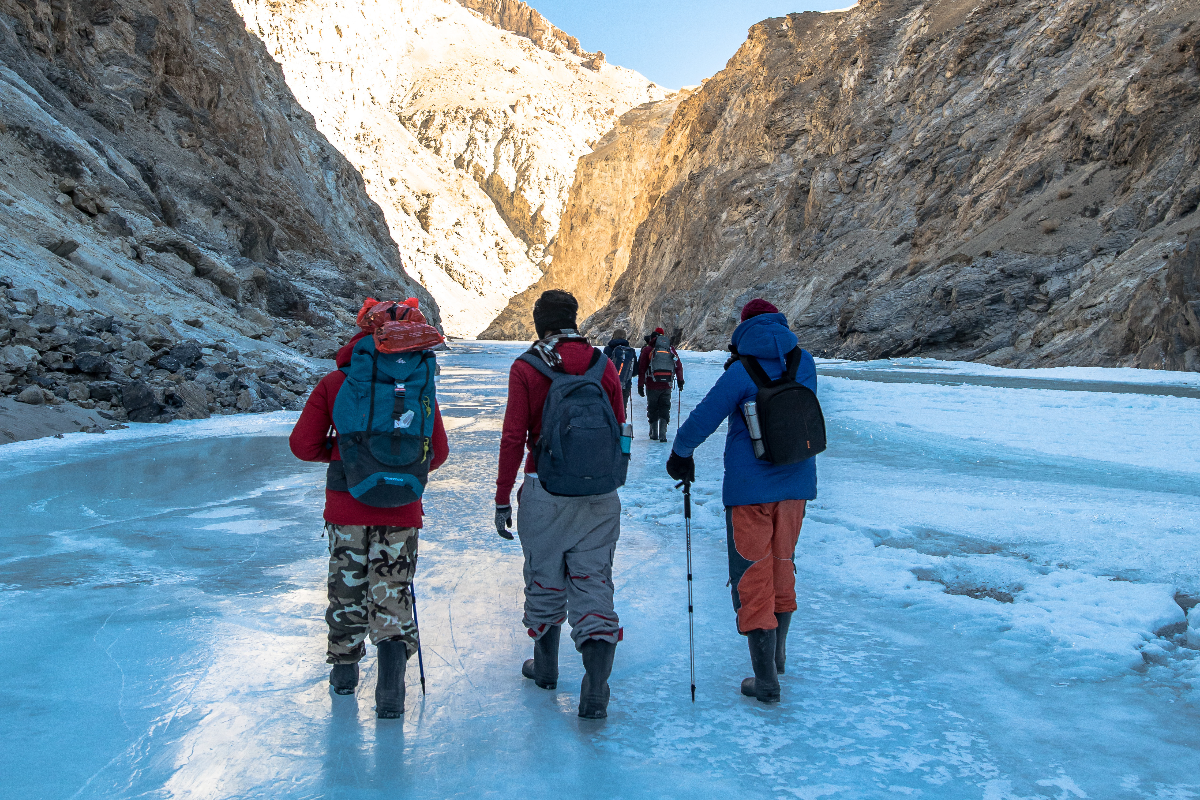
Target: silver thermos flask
pixel 750 411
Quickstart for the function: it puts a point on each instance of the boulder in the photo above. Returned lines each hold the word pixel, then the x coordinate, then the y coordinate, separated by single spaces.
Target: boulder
pixel 169 363
pixel 140 402
pixel 26 296
pixel 138 351
pixel 43 322
pixel 78 393
pixel 104 390
pixel 85 344
pixel 18 357
pixel 186 353
pixel 33 395
pixel 195 400
pixel 92 364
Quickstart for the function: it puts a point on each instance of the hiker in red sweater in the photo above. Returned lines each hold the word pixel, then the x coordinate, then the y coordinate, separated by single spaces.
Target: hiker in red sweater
pixel 658 368
pixel 373 539
pixel 570 515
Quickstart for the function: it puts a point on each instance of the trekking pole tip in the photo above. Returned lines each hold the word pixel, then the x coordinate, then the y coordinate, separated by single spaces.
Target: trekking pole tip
pixel 693 692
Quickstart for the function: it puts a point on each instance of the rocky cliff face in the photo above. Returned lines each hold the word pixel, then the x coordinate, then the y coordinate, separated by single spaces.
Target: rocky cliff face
pixel 607 200
pixel 160 186
pixel 467 134
pixel 518 18
pixel 1012 181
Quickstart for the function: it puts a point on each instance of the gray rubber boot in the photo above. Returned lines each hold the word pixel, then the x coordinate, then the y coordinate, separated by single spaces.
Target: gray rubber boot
pixel 662 430
pixel 764 686
pixel 542 669
pixel 785 622
pixel 389 687
pixel 344 678
pixel 598 663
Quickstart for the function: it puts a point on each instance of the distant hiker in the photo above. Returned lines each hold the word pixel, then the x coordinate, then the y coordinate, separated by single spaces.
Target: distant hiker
pixel 564 401
pixel 764 501
pixel 625 359
pixel 658 369
pixel 375 420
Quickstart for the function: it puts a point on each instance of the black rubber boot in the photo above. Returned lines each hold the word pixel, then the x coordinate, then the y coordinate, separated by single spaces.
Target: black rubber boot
pixel 598 663
pixel 764 686
pixel 344 678
pixel 542 669
pixel 389 687
pixel 785 622
pixel 654 431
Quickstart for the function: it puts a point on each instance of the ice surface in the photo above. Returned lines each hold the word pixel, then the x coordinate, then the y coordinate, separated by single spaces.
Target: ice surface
pixel 990 590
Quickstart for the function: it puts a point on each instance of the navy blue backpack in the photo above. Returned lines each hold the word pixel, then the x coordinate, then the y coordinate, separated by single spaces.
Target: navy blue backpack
pixel 579 451
pixel 384 415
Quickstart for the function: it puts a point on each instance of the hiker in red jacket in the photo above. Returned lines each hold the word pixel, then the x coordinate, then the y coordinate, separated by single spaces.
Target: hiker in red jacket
pixel 655 381
pixel 372 549
pixel 568 538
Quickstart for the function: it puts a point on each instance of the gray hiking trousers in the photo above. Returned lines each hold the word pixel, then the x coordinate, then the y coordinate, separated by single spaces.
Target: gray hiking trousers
pixel 569 544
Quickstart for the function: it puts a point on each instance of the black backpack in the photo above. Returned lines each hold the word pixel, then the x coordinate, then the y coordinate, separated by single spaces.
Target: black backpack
pixel 789 414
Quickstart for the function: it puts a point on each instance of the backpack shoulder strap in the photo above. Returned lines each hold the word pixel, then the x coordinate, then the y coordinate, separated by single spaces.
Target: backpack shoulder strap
pixel 596 368
pixel 757 373
pixel 793 364
pixel 539 365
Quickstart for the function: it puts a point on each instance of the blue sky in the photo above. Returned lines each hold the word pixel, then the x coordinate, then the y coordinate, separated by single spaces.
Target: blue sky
pixel 672 42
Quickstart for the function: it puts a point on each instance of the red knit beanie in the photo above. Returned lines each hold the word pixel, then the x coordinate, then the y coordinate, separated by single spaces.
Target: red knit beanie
pixel 659 330
pixel 756 307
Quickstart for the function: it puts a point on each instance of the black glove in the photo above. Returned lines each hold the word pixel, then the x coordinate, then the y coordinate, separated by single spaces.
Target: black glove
pixel 681 469
pixel 641 390
pixel 504 520
pixel 681 384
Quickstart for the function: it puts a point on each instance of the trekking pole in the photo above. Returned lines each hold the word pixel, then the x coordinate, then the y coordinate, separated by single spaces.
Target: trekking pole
pixel 687 523
pixel 412 592
pixel 679 409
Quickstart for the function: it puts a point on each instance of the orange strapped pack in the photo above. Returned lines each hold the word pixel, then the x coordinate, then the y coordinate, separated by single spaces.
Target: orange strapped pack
pixel 398 327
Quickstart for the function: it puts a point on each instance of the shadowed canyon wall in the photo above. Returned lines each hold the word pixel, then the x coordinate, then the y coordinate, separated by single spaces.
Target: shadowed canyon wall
pixel 161 139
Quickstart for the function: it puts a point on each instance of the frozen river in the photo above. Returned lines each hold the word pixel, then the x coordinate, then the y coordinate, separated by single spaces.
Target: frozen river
pixel 991 591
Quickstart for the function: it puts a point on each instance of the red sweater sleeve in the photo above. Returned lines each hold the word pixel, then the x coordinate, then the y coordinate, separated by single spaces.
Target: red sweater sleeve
pixel 441 445
pixel 611 384
pixel 310 438
pixel 514 434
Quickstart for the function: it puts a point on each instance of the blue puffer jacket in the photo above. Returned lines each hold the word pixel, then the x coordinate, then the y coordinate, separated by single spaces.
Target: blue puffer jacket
pixel 749 480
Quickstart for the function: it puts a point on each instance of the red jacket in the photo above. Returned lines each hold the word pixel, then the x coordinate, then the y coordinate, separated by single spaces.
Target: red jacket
pixel 308 443
pixel 643 370
pixel 527 390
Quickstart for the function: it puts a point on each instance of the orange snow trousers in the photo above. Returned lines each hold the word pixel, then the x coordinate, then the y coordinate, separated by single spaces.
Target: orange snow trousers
pixel 762 550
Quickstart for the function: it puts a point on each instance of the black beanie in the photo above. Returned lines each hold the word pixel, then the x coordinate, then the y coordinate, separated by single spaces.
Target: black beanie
pixel 555 310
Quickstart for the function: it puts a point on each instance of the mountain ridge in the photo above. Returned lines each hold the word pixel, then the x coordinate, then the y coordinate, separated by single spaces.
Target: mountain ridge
pixel 991 180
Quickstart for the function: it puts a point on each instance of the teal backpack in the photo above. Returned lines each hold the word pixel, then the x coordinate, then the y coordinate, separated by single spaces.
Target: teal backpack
pixel 384 416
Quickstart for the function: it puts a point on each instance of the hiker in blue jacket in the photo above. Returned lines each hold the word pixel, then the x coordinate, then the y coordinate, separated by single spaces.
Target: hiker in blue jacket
pixel 764 502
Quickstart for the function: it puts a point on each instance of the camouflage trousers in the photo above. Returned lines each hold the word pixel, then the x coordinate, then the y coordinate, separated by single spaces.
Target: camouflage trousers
pixel 371 569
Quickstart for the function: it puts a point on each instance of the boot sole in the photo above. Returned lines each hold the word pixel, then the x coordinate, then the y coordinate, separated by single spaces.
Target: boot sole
pixel 389 714
pixel 343 691
pixel 593 715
